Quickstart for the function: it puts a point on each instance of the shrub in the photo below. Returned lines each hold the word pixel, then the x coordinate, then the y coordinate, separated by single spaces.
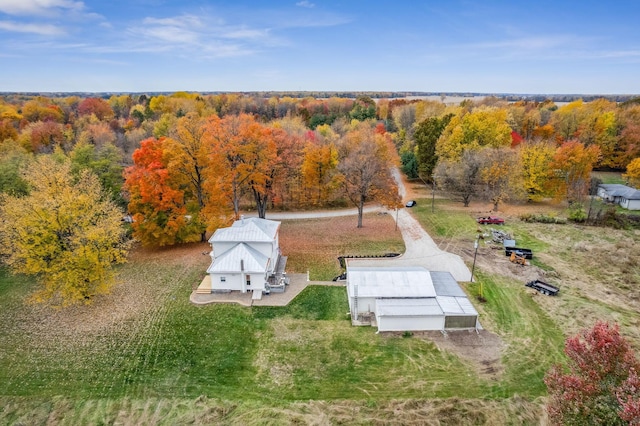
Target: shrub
pixel 542 218
pixel 577 213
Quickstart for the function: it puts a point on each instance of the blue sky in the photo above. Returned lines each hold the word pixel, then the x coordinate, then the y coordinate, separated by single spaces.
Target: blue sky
pixel 584 47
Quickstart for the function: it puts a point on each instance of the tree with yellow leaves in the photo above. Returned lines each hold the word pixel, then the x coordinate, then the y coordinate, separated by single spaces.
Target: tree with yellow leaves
pixel 66 232
pixel 633 173
pixel 535 157
pixel 483 127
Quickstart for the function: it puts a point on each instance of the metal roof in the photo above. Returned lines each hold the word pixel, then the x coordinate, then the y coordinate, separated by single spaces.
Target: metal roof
pixel 408 307
pixel 445 284
pixel 398 282
pixel 456 305
pixel 619 190
pixel 240 255
pixel 251 229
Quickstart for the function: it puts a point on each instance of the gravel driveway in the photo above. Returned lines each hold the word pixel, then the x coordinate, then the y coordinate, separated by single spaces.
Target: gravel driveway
pixel 421 250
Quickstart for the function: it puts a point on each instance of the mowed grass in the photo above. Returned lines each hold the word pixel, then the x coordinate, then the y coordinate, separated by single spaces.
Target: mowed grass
pixel 170 362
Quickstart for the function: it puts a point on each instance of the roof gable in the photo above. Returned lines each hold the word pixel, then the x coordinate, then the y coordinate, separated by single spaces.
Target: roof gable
pixel 240 257
pixel 247 230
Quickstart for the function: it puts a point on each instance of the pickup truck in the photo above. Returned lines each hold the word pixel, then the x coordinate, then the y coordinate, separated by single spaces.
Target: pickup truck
pixel 491 220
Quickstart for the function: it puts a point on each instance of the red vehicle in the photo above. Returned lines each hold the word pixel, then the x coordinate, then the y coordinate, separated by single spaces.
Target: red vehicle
pixel 491 220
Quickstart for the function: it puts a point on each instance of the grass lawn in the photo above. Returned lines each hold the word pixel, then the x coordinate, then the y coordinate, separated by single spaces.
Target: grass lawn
pixel 146 355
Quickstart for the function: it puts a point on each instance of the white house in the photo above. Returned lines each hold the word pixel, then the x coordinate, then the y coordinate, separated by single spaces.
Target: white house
pixel 246 257
pixel 408 298
pixel 625 196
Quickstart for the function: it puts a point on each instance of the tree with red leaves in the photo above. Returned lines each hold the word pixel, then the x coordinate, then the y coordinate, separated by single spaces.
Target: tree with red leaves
pixel 601 386
pixel 156 199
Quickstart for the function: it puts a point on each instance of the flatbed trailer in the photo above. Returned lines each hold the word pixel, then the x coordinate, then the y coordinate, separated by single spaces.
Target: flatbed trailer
pixel 543 287
pixel 522 252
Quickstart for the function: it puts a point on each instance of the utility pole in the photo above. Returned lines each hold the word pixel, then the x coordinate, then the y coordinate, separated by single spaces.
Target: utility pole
pixel 433 193
pixel 473 267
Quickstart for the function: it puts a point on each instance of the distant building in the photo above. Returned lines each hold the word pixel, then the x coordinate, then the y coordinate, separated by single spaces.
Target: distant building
pixel 625 196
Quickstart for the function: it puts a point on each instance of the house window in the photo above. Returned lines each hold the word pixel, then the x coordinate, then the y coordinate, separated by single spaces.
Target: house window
pixel 248 280
pixel 223 279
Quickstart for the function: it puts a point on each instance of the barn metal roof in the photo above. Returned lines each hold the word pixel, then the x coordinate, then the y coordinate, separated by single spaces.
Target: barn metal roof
pixel 456 305
pixel 398 282
pixel 445 284
pixel 248 230
pixel 408 307
pixel 240 256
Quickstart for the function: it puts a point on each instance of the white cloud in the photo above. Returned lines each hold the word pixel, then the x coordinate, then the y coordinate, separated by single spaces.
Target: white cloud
pixel 42 29
pixel 182 21
pixel 206 35
pixel 38 7
pixel 305 3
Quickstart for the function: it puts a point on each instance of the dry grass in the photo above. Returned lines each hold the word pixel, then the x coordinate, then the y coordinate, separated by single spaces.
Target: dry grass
pixel 315 244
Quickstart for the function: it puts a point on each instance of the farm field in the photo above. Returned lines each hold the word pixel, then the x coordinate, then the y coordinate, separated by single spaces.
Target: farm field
pixel 144 354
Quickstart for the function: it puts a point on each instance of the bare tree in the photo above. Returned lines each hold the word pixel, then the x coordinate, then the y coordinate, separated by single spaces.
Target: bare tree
pixel 461 178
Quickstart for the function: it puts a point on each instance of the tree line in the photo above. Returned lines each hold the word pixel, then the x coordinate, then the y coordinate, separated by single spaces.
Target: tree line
pixel 184 164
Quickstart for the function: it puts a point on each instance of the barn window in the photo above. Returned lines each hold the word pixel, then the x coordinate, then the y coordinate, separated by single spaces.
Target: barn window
pixel 223 279
pixel 460 321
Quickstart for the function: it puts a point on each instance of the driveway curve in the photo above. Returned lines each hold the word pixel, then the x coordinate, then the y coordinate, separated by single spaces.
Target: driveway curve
pixel 421 250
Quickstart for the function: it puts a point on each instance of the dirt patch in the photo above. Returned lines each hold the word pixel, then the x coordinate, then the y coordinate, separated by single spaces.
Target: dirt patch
pixel 482 349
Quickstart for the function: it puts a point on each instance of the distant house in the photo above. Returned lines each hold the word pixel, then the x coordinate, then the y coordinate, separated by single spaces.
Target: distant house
pixel 625 196
pixel 246 257
pixel 409 298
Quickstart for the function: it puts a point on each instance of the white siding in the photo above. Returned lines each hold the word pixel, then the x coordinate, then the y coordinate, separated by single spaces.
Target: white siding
pixel 233 282
pixel 400 323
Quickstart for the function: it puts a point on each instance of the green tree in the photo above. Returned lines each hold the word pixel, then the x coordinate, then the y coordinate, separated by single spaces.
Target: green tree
pixel 12 160
pixel 426 137
pixel 363 109
pixel 105 163
pixel 66 232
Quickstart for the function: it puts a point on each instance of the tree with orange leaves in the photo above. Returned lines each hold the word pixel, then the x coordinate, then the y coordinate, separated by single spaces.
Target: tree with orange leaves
pixel 365 164
pixel 242 152
pixel 156 202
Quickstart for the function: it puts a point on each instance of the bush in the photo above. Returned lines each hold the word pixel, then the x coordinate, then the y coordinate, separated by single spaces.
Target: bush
pixel 611 218
pixel 542 218
pixel 577 213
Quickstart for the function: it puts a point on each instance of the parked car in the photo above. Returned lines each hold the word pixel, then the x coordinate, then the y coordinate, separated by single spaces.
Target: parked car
pixel 411 203
pixel 491 220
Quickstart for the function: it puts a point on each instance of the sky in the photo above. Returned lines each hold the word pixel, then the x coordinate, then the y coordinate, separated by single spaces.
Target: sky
pixel 483 46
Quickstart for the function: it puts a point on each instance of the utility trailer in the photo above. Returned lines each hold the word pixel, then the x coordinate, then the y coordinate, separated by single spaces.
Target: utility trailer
pixel 519 251
pixel 544 288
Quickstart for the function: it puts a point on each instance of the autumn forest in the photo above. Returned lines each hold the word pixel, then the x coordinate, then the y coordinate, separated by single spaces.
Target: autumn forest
pixel 177 166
